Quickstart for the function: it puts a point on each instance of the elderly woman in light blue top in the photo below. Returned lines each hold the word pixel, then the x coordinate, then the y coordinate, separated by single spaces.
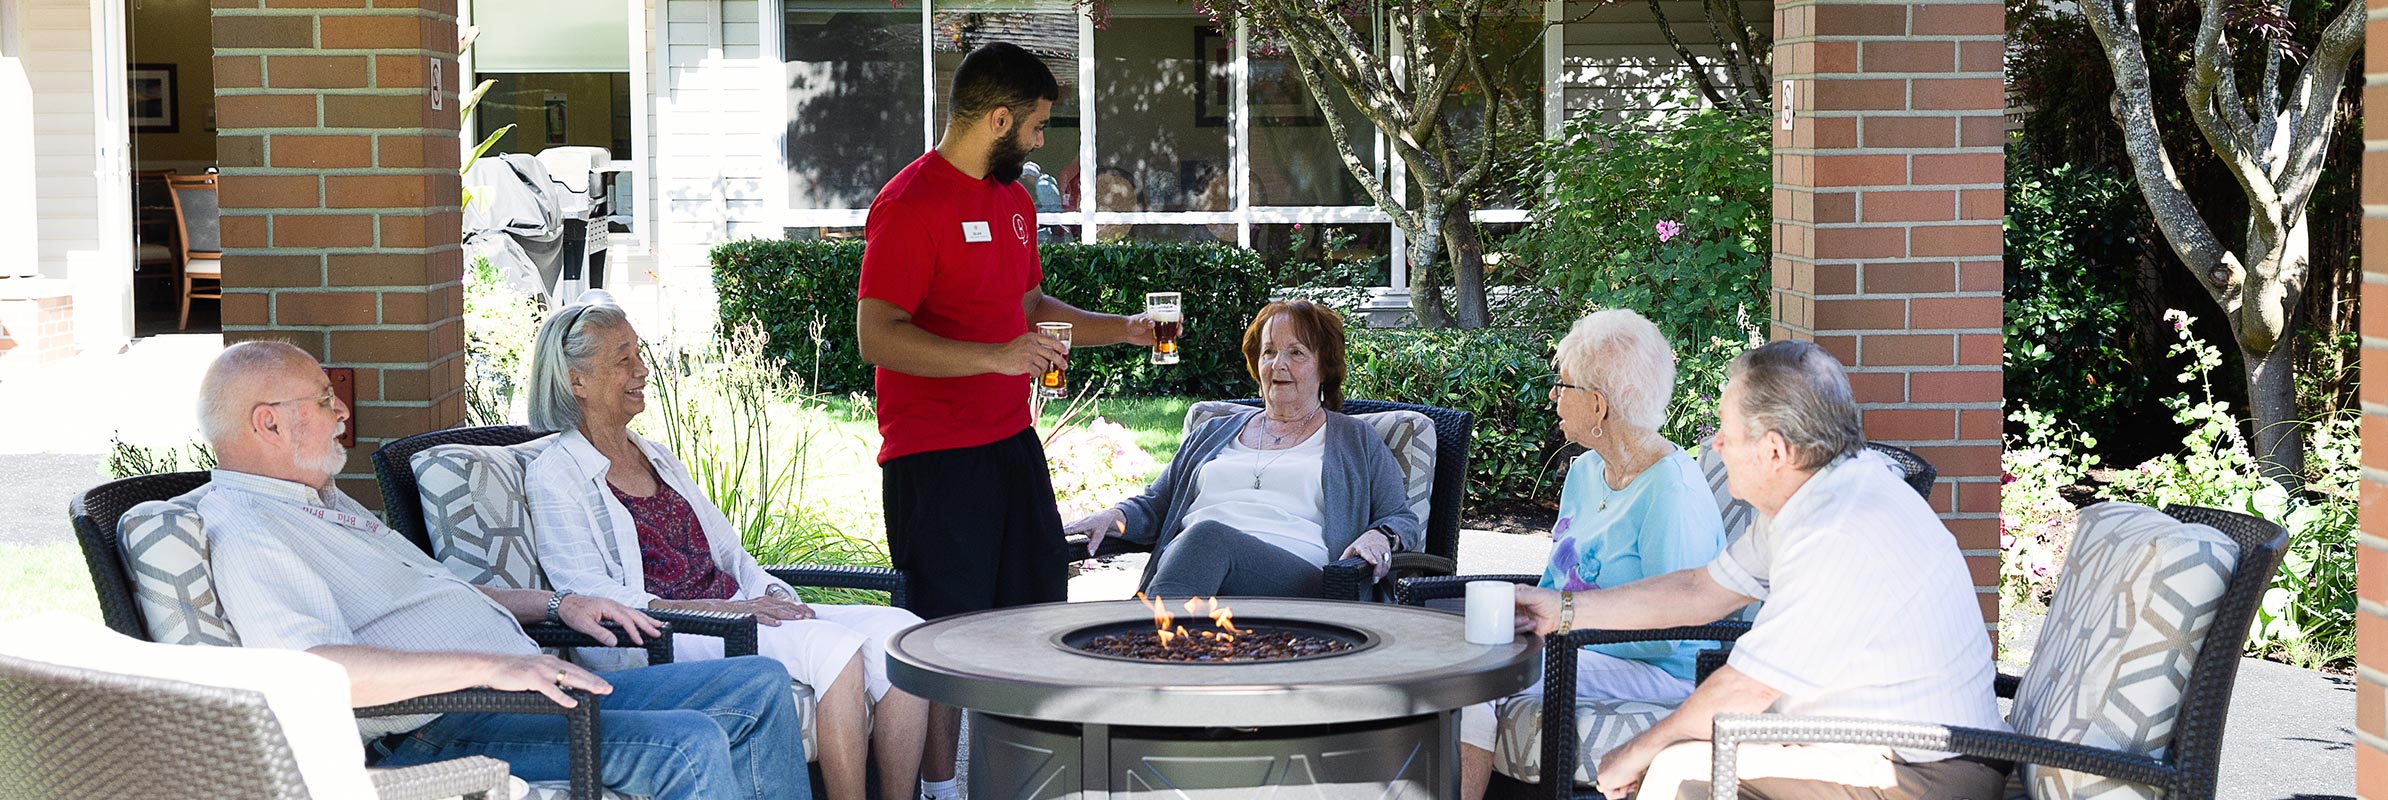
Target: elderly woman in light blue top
pixel 1634 505
pixel 618 517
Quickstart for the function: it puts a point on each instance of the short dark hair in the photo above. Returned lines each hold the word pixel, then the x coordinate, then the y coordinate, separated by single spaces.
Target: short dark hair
pixel 1000 75
pixel 1314 325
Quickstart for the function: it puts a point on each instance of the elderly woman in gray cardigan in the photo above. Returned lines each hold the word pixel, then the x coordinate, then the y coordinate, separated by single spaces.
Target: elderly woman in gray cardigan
pixel 1259 502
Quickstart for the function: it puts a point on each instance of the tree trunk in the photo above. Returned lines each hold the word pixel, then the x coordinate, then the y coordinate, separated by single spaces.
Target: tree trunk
pixel 1467 269
pixel 1426 295
pixel 2272 406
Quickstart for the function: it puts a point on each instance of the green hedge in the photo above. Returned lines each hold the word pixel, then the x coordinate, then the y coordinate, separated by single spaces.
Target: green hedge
pixel 1502 375
pixel 790 287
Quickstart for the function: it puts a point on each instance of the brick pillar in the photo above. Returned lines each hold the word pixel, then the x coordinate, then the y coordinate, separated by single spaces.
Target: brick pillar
pixel 2371 563
pixel 340 200
pixel 1889 187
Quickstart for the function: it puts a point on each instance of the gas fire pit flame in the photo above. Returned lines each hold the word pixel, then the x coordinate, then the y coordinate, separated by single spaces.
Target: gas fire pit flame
pixel 1223 642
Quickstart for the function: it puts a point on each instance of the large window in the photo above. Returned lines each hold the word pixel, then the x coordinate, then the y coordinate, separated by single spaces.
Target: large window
pixel 557 109
pixel 1168 127
pixel 854 101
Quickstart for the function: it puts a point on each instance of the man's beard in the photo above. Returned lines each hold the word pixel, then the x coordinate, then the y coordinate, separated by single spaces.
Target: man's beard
pixel 329 461
pixel 1008 158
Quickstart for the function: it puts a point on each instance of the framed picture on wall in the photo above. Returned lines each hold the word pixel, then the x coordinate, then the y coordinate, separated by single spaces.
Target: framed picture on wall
pixel 1214 62
pixel 1279 98
pixel 150 98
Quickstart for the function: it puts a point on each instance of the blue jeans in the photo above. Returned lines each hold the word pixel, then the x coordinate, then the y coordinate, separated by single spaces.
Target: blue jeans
pixel 684 731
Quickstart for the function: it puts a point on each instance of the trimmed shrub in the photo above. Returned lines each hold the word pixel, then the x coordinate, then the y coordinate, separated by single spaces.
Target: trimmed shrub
pixel 801 295
pixel 1502 375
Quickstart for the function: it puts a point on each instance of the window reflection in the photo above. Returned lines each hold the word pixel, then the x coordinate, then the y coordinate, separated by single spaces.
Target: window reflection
pixel 1053 37
pixel 1162 141
pixel 854 115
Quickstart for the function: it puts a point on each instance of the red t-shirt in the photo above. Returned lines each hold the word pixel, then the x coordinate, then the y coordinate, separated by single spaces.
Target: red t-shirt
pixel 958 254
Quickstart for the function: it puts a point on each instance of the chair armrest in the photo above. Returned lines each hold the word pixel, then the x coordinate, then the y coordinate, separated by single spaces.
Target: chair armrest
pixel 2006 685
pixel 897 585
pixel 1732 730
pixel 1354 579
pixel 736 631
pixel 580 722
pixel 1558 681
pixel 1416 591
pixel 470 777
pixel 549 634
pixel 1111 546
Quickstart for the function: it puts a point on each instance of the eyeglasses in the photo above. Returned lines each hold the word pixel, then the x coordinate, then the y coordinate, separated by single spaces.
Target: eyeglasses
pixel 1558 383
pixel 323 401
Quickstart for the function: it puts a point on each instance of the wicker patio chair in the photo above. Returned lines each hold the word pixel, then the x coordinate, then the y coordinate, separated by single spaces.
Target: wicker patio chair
pixel 2048 741
pixel 80 732
pixel 96 512
pixel 1352 578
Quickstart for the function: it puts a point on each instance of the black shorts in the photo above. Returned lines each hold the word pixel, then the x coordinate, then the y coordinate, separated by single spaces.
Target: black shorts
pixel 976 527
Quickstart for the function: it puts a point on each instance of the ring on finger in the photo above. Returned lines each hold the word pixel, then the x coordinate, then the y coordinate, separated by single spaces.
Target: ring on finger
pixel 559 677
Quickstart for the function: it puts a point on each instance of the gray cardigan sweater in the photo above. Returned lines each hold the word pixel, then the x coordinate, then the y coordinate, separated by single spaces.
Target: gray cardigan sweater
pixel 1360 483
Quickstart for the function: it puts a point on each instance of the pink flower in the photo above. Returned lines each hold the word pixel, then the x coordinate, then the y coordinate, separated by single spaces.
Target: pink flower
pixel 1668 229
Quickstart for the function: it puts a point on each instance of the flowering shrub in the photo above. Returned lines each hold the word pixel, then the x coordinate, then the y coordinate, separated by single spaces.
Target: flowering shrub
pixel 1095 465
pixel 2034 521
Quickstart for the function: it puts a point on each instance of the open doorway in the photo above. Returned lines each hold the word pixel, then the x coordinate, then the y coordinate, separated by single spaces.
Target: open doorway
pixel 170 91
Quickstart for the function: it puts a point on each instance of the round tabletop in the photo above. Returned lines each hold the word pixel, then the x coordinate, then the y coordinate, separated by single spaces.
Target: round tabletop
pixel 1006 661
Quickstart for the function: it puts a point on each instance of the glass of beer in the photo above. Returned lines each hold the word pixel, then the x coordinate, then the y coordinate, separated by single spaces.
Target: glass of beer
pixel 1169 322
pixel 1055 383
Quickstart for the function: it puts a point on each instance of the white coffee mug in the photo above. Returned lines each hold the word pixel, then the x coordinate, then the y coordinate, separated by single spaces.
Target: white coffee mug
pixel 1492 612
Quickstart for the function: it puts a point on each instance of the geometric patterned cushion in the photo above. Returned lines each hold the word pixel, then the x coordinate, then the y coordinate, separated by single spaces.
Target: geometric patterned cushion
pixel 1600 726
pixel 164 547
pixel 1409 434
pixel 2138 592
pixel 476 514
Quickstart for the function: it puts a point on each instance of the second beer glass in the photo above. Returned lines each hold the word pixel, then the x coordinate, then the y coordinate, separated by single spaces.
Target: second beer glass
pixel 1055 383
pixel 1169 322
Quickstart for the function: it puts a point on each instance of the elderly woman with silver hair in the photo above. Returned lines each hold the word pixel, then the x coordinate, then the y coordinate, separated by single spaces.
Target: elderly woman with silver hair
pixel 1634 505
pixel 619 517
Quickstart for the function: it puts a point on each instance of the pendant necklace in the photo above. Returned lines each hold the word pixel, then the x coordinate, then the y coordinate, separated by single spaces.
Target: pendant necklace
pixel 1276 440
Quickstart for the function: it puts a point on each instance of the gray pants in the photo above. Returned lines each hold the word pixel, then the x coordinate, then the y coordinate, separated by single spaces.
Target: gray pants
pixel 1211 559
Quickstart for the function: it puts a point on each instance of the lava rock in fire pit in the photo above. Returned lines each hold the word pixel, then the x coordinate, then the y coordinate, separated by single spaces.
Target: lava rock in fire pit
pixel 1214 646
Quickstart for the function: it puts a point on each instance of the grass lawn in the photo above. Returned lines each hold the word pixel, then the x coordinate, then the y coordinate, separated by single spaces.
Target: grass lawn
pixel 37 579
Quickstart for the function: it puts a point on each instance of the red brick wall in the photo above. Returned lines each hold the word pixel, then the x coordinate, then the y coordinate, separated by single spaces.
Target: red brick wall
pixel 2371 564
pixel 340 200
pixel 1889 187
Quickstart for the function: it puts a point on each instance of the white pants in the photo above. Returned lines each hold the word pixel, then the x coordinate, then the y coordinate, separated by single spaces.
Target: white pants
pixel 1598 676
pixel 815 651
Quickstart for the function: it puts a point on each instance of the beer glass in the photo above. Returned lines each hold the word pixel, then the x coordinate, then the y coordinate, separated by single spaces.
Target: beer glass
pixel 1169 322
pixel 1055 383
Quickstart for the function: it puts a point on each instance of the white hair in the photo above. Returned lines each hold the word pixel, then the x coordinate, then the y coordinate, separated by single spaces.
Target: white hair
pixel 1799 392
pixel 225 393
pixel 1622 355
pixel 564 346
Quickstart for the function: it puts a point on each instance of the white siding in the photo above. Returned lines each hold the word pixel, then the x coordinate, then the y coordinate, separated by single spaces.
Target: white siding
pixel 58 58
pixel 1618 61
pixel 714 130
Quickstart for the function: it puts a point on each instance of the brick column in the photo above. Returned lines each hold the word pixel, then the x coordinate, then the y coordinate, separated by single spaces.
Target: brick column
pixel 1889 187
pixel 2371 563
pixel 340 200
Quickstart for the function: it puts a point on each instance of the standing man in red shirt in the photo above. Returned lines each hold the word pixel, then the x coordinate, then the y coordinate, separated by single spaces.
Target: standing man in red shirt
pixel 951 289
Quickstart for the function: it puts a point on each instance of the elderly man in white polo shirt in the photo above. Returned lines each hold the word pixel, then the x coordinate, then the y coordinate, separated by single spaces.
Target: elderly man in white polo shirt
pixel 1869 612
pixel 301 566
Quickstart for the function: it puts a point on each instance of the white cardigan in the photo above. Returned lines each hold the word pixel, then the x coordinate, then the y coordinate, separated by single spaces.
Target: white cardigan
pixel 586 540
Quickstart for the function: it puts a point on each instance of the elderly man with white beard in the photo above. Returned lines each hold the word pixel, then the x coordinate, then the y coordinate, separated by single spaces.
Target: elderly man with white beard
pixel 301 566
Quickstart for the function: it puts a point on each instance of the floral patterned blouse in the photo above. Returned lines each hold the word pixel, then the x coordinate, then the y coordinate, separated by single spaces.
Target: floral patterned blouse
pixel 1665 520
pixel 672 548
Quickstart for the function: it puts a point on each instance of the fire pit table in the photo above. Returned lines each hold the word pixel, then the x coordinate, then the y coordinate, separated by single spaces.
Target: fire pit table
pixel 1052 720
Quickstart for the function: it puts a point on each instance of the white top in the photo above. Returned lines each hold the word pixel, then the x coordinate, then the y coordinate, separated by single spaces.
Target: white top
pixel 1288 507
pixel 299 568
pixel 588 543
pixel 1870 611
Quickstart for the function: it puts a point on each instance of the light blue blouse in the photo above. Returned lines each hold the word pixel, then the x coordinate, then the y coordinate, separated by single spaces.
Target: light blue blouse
pixel 1664 521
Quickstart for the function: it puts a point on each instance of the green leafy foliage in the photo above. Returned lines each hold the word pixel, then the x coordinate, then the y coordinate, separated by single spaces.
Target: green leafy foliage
pixel 499 326
pixel 2071 243
pixel 800 294
pixel 1502 375
pixel 126 460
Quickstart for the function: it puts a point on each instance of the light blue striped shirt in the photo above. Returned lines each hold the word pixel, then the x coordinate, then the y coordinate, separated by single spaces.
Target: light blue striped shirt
pixel 300 568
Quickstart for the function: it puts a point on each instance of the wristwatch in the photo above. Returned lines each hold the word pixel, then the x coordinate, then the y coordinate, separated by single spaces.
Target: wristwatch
pixel 555 606
pixel 1566 611
pixel 776 590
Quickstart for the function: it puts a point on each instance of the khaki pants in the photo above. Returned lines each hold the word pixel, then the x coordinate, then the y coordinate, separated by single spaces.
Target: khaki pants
pixel 1821 772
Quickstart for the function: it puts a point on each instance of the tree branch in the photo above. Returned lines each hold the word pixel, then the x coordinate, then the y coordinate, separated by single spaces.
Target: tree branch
pixel 1371 181
pixel 2210 68
pixel 1699 74
pixel 2117 28
pixel 2315 108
